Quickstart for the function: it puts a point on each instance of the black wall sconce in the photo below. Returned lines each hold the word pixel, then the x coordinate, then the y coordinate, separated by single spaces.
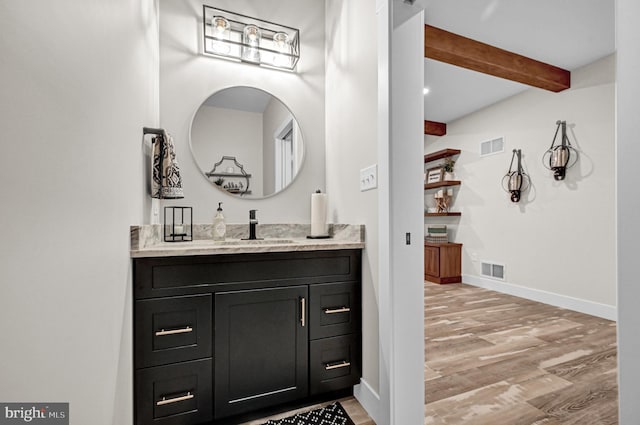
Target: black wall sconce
pixel 562 156
pixel 516 180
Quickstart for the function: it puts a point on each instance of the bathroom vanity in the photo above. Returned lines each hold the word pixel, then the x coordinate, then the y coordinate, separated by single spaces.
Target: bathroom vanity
pixel 223 330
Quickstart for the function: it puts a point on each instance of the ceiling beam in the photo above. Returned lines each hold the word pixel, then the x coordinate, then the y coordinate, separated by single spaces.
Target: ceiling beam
pixel 434 128
pixel 461 51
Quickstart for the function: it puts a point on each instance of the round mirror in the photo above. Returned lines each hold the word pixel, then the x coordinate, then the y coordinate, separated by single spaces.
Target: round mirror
pixel 246 142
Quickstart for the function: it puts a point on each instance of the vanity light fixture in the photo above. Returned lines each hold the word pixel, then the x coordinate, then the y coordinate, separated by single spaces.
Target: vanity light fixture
pixel 232 36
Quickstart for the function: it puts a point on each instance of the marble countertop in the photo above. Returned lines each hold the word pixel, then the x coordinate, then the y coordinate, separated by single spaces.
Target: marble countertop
pixel 147 241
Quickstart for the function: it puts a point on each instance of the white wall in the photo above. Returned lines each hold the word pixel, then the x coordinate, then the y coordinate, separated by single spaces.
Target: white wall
pixel 218 132
pixel 78 83
pixel 275 115
pixel 560 238
pixel 359 134
pixel 187 78
pixel 628 205
pixel 351 113
pixel 403 291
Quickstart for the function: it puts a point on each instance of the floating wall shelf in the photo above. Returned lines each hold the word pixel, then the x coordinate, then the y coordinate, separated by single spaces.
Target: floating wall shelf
pixel 444 153
pixel 446 214
pixel 443 183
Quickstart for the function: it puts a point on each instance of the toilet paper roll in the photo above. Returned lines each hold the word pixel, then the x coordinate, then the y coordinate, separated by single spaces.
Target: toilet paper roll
pixel 318 214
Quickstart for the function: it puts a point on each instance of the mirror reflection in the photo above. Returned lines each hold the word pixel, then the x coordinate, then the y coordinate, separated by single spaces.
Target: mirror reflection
pixel 246 142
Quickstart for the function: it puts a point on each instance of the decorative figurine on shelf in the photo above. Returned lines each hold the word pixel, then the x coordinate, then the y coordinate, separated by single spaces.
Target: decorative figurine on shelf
pixel 443 200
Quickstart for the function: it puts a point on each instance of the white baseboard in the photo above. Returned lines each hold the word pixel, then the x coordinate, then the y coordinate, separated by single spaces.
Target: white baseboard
pixel 368 398
pixel 604 311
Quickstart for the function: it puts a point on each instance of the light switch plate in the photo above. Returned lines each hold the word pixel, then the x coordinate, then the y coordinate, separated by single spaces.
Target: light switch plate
pixel 369 178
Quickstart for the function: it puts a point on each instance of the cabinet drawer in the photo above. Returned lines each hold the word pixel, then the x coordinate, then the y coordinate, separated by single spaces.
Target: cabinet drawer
pixel 178 394
pixel 164 277
pixel 334 363
pixel 334 309
pixel 169 330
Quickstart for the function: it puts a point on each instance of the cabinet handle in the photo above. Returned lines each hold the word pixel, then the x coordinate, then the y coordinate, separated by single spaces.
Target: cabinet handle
pixel 303 308
pixel 336 310
pixel 164 401
pixel 331 366
pixel 174 331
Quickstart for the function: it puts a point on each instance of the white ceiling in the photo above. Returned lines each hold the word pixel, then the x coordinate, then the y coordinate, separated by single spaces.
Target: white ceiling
pixel 564 33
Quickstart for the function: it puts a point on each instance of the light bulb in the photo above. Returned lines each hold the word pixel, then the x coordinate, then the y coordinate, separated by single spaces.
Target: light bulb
pixel 281 41
pixel 220 26
pixel 252 35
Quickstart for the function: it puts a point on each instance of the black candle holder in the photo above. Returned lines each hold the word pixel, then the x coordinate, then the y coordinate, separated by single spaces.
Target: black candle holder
pixel 178 224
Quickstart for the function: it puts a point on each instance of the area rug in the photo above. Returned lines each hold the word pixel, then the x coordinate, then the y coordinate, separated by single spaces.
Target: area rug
pixel 332 414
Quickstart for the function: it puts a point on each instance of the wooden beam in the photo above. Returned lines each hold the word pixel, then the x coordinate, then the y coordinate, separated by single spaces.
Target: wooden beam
pixel 461 51
pixel 433 128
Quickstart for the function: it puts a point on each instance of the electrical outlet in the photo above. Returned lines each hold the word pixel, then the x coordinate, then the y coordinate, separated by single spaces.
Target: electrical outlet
pixel 369 178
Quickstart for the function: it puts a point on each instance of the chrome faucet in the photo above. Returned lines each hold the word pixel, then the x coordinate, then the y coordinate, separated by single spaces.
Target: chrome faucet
pixel 253 221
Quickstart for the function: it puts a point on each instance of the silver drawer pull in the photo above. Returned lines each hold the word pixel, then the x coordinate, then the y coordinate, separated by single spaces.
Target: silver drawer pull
pixel 162 332
pixel 331 366
pixel 164 401
pixel 303 309
pixel 336 310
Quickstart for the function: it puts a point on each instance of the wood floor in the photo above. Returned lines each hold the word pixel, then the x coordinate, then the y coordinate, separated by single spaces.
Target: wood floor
pixel 496 359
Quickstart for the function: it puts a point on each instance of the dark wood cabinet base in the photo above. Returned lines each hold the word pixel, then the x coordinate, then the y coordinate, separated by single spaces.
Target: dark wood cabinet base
pixel 443 262
pixel 443 280
pixel 222 339
pixel 285 407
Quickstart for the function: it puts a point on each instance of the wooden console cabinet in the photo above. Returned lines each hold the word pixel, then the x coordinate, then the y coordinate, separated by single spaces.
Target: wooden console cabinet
pixel 443 262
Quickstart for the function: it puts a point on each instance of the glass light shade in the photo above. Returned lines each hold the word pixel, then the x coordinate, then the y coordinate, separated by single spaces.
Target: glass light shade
pixel 281 41
pixel 559 157
pixel 220 27
pixel 281 45
pixel 252 35
pixel 515 181
pixel 251 40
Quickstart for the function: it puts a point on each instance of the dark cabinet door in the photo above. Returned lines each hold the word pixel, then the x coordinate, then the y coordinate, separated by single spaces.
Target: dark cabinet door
pixel 261 348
